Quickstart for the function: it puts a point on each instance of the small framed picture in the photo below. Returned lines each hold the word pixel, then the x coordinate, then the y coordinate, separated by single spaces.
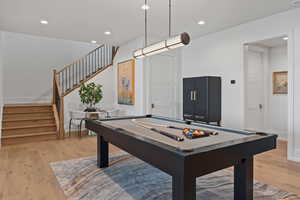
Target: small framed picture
pixel 280 82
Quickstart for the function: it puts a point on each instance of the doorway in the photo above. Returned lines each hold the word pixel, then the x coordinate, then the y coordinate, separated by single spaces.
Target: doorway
pixel 254 87
pixel 265 109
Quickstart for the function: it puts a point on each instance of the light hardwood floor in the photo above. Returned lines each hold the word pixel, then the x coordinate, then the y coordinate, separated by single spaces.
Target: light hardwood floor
pixel 25 173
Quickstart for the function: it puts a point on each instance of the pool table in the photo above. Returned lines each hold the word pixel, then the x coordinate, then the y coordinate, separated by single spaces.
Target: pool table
pixel 184 160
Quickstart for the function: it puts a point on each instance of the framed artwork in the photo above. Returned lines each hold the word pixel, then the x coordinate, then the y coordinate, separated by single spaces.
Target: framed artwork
pixel 280 82
pixel 126 88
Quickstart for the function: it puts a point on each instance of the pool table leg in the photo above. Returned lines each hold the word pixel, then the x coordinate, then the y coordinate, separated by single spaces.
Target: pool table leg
pixel 184 188
pixel 243 179
pixel 102 152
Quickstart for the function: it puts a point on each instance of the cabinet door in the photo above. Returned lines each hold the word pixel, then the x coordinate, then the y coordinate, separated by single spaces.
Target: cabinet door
pixel 214 96
pixel 188 103
pixel 201 100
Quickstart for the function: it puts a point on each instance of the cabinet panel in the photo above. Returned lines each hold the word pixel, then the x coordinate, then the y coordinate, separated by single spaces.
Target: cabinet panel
pixel 214 95
pixel 188 104
pixel 201 102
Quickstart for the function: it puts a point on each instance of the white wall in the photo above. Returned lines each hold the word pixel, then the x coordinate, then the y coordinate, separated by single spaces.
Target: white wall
pixel 109 79
pixel 29 62
pixel 221 54
pixel 125 53
pixel 278 103
pixel 1 82
pixel 72 101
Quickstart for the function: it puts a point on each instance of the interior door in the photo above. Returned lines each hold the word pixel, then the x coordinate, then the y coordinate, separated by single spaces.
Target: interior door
pixel 188 98
pixel 163 85
pixel 254 91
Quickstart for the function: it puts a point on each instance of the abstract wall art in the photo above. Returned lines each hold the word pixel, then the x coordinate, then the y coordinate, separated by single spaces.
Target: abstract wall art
pixel 126 88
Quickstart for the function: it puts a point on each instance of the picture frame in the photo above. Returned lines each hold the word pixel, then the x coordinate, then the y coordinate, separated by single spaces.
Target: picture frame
pixel 280 82
pixel 126 82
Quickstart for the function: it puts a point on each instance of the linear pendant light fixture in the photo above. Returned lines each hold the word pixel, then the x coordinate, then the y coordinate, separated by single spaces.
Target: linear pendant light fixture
pixel 165 45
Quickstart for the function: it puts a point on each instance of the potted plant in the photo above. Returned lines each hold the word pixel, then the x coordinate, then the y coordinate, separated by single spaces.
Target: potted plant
pixel 90 94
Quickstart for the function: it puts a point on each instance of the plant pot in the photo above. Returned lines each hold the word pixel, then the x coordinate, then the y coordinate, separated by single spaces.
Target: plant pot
pixel 90 109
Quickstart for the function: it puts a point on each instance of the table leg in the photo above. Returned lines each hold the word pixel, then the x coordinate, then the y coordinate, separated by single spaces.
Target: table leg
pixel 70 124
pixel 102 152
pixel 243 179
pixel 184 188
pixel 80 126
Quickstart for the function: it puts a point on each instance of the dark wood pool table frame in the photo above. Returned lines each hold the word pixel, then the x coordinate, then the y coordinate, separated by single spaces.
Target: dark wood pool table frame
pixel 185 167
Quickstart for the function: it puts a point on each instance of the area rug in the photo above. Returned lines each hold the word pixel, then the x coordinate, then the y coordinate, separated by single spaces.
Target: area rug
pixel 129 178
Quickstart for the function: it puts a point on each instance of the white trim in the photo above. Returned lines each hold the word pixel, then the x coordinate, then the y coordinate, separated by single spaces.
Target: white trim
pixel 293 154
pixel 291 97
pixel 294 158
pixel 281 135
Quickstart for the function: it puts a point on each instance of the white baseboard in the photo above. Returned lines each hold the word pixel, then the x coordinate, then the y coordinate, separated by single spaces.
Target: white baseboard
pixel 295 156
pixel 281 135
pixel 282 138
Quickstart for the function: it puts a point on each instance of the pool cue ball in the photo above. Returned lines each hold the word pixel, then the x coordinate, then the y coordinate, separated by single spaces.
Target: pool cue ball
pixel 186 131
pixel 198 133
pixel 190 134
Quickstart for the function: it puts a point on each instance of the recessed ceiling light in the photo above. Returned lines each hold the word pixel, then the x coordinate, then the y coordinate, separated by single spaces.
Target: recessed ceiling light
pixel 93 41
pixel 44 21
pixel 107 33
pixel 201 22
pixel 145 7
pixel 285 38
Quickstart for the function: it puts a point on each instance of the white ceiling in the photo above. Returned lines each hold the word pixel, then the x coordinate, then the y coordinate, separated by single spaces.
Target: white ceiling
pixel 86 20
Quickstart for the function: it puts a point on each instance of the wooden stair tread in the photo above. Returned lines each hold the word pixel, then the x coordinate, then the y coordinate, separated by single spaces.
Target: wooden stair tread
pixel 26 127
pixel 27 116
pixel 23 113
pixel 28 135
pixel 27 105
pixel 29 119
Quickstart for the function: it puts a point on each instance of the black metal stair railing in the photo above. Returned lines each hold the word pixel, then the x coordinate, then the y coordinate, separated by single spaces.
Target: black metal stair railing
pixel 72 75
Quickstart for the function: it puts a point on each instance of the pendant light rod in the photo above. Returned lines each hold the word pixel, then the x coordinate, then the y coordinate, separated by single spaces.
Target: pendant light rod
pixel 170 17
pixel 146 24
pixel 165 45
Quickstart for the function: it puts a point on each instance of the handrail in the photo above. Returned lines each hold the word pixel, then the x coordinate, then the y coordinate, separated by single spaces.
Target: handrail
pixel 85 80
pixel 80 70
pixel 66 66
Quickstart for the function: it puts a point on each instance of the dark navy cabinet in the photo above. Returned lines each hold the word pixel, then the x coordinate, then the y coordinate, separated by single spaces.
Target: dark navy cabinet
pixel 202 99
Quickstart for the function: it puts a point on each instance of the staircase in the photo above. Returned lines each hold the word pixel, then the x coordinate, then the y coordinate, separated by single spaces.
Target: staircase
pixel 73 75
pixel 38 122
pixel 28 123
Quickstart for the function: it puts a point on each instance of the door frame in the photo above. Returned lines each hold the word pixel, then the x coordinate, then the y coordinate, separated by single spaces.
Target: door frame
pixel 178 78
pixel 292 151
pixel 265 62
